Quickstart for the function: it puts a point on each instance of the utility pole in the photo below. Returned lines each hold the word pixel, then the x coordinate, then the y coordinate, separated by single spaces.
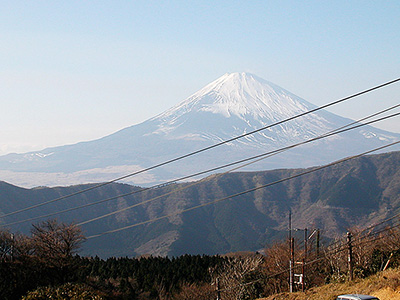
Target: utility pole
pixel 290 225
pixel 12 247
pixel 291 265
pixel 303 271
pixel 317 241
pixel 217 289
pixel 350 258
pixel 305 243
pixel 291 254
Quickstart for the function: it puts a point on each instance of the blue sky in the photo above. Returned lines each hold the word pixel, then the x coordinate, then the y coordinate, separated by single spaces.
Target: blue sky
pixel 79 70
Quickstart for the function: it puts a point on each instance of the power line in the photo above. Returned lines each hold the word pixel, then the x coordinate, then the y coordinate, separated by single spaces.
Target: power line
pixel 377 224
pixel 240 193
pixel 204 149
pixel 378 232
pixel 336 250
pixel 359 235
pixel 283 271
pixel 260 157
pixel 257 157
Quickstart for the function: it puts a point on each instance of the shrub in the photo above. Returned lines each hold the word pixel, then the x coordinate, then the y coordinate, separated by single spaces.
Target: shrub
pixel 68 291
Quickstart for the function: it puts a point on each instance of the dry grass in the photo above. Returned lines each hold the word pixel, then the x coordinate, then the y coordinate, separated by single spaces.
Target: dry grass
pixel 384 285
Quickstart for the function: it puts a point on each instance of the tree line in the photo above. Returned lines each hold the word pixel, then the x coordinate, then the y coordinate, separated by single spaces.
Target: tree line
pixel 46 264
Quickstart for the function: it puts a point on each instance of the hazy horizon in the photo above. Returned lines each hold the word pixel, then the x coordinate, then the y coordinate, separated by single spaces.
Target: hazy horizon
pixel 77 71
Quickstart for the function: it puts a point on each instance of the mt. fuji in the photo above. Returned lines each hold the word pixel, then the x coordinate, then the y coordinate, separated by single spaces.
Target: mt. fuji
pixel 230 106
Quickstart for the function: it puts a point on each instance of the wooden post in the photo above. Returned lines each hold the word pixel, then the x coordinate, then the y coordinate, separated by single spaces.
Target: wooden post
pixel 350 257
pixel 388 262
pixel 217 289
pixel 291 275
pixel 12 247
pixel 290 253
pixel 303 283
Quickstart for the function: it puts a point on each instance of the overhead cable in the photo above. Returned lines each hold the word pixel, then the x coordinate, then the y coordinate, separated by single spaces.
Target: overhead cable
pixel 254 158
pixel 204 149
pixel 258 157
pixel 242 193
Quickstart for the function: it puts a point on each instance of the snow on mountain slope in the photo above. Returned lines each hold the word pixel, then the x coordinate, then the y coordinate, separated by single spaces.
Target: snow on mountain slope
pixel 249 103
pixel 241 94
pixel 230 106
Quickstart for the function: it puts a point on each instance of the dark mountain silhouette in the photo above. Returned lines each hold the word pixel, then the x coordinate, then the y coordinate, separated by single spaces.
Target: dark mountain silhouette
pixel 358 192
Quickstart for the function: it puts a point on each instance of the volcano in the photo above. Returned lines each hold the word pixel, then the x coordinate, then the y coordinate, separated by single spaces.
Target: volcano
pixel 232 105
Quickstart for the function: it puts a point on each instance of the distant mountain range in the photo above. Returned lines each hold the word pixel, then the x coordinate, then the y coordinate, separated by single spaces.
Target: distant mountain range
pixel 230 106
pixel 359 192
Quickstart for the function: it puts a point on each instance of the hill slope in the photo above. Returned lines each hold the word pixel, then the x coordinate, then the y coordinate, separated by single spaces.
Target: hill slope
pixel 358 192
pixel 384 285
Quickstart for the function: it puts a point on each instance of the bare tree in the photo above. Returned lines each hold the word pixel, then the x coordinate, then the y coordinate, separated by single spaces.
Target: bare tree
pixel 195 291
pixel 54 245
pixel 6 245
pixel 54 240
pixel 337 260
pixel 276 267
pixel 240 277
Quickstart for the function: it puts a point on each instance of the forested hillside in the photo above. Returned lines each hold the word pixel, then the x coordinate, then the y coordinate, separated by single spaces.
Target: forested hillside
pixel 355 193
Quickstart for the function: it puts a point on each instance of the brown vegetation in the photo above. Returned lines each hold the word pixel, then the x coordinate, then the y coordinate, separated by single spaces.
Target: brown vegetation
pixel 44 262
pixel 373 250
pixel 384 285
pixel 44 258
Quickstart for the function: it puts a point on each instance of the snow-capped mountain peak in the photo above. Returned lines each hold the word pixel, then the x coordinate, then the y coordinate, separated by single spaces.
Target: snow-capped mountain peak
pixel 249 103
pixel 241 95
pixel 233 105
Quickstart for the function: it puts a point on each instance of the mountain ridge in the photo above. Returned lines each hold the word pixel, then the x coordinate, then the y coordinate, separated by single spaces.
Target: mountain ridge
pixel 359 192
pixel 230 106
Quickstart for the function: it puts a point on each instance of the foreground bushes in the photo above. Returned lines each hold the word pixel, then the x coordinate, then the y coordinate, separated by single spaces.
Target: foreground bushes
pixel 46 266
pixel 66 291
